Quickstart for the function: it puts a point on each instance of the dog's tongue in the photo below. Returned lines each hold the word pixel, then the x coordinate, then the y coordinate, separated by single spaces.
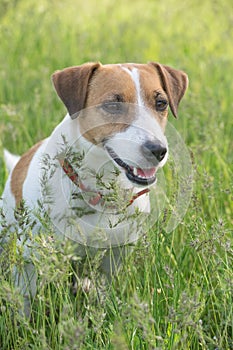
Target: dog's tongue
pixel 146 172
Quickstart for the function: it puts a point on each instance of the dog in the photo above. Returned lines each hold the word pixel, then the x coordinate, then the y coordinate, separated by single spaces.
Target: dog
pixel 94 173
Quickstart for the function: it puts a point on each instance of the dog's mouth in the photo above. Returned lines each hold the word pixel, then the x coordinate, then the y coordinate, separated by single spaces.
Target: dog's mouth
pixel 134 174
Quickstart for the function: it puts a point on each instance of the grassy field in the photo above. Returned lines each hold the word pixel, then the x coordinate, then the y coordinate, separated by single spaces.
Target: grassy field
pixel 176 290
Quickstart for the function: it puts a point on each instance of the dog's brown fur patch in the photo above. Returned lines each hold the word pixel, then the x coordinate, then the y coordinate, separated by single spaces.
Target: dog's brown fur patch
pixel 20 172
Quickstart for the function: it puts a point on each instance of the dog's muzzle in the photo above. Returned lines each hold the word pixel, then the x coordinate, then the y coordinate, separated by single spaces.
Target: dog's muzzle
pixel 153 152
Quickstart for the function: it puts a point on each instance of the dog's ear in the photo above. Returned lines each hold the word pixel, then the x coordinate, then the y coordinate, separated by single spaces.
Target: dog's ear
pixel 71 85
pixel 175 83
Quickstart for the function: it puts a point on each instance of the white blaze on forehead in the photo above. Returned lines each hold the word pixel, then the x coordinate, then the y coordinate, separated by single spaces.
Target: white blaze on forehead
pixel 134 73
pixel 127 144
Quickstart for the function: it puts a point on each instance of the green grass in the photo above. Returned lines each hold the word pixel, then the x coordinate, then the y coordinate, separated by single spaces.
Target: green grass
pixel 175 290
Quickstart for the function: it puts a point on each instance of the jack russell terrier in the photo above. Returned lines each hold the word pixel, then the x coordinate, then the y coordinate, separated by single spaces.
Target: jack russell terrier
pixel 92 175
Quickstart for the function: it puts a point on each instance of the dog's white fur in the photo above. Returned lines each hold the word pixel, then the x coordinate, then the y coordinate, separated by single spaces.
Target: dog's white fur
pixel 126 144
pixel 10 160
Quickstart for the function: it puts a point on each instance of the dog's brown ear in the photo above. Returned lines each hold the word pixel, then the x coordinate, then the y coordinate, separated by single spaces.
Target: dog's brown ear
pixel 71 85
pixel 175 83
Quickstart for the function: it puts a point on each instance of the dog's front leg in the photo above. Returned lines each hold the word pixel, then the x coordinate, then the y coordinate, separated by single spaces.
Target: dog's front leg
pixel 25 280
pixel 114 258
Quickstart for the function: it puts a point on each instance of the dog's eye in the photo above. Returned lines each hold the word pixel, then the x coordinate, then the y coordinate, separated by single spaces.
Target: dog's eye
pixel 113 107
pixel 161 104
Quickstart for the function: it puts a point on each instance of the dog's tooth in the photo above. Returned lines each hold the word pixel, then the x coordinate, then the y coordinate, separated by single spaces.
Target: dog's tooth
pixel 135 171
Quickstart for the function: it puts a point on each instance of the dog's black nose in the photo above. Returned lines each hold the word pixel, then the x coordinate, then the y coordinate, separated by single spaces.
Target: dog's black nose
pixel 154 151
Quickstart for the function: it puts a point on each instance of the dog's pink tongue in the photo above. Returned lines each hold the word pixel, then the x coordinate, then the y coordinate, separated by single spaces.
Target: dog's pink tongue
pixel 146 172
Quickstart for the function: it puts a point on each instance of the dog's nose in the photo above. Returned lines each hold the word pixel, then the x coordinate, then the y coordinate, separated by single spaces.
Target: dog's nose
pixel 154 151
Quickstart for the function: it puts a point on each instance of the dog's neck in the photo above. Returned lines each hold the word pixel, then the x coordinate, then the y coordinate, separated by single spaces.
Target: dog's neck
pixel 96 197
pixel 96 161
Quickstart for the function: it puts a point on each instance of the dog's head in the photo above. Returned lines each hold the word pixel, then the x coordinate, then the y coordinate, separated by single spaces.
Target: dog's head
pixel 129 120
